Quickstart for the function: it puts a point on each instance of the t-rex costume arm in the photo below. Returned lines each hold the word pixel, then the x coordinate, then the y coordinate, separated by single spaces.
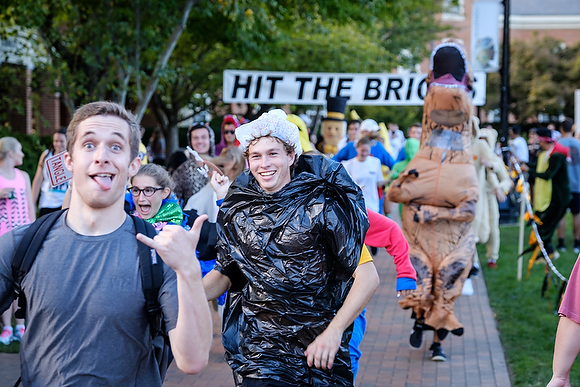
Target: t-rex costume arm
pixel 464 212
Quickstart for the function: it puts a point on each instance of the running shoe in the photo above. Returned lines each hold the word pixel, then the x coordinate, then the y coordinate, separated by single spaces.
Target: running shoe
pixel 6 335
pixel 19 333
pixel 437 353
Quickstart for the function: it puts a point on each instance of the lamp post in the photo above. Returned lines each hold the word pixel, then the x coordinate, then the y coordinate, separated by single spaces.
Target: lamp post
pixel 505 73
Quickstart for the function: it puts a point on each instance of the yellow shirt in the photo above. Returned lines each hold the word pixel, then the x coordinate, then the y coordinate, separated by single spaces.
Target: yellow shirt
pixel 143 153
pixel 365 256
pixel 542 188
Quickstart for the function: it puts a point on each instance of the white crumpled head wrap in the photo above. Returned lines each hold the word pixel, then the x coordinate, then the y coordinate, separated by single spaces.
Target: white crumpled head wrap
pixel 272 123
pixel 369 125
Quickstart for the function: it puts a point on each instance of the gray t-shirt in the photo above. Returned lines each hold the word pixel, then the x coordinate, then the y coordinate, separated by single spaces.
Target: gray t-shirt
pixel 574 165
pixel 86 322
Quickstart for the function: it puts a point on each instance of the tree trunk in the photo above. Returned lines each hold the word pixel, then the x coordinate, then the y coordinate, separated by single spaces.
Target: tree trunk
pixel 124 81
pixel 163 59
pixel 172 139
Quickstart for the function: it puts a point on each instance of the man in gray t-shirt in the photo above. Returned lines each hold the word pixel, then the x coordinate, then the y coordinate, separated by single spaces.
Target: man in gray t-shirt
pixel 86 318
pixel 573 144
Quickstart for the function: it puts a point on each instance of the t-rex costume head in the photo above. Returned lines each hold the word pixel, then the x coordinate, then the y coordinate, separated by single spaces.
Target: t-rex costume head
pixel 441 173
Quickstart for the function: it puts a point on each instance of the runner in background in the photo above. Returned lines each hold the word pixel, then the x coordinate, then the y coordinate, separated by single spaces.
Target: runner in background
pixel 51 198
pixel 16 209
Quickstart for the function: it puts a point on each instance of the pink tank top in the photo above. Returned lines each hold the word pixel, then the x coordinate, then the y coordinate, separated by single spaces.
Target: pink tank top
pixel 14 212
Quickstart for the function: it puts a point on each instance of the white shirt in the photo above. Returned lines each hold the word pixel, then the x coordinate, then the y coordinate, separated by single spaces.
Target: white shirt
pixel 519 147
pixel 342 143
pixel 366 175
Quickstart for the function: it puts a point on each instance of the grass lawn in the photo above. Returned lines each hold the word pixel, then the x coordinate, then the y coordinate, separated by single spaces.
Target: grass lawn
pixel 527 322
pixel 13 347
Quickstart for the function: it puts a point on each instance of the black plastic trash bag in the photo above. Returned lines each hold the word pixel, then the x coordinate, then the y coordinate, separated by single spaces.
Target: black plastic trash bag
pixel 297 250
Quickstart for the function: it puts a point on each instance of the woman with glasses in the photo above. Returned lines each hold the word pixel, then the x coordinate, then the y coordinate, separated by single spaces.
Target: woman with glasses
pixel 150 198
pixel 229 125
pixel 187 179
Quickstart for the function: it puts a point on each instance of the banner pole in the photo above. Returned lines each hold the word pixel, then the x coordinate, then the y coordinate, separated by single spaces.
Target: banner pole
pixel 521 233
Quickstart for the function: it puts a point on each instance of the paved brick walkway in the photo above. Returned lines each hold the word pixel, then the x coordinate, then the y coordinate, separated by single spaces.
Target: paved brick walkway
pixel 476 359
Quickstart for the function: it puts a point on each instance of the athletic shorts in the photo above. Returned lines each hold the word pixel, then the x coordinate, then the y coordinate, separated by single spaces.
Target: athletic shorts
pixel 574 204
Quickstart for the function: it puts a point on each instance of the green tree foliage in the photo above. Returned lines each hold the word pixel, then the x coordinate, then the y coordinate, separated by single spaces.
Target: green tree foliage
pixel 404 116
pixel 543 76
pixel 362 37
pixel 95 48
pixel 337 36
pixel 112 49
pixel 10 100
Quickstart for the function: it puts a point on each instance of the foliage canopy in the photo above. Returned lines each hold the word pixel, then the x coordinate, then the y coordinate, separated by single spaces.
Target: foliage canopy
pixel 543 76
pixel 111 50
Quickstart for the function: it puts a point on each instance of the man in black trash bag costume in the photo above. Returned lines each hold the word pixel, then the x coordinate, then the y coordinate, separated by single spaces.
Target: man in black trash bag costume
pixel 291 229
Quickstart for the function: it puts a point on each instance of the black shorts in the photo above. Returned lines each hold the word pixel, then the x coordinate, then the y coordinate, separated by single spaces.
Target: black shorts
pixel 574 204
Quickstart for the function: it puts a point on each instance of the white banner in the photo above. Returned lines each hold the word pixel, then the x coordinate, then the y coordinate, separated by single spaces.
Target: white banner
pixel 382 89
pixel 485 36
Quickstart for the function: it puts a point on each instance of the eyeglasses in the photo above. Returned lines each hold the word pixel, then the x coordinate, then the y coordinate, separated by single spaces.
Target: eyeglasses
pixel 147 191
pixel 229 132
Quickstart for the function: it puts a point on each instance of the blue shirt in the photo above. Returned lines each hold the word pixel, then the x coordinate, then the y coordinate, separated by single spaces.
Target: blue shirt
pixel 377 150
pixel 401 156
pixel 574 165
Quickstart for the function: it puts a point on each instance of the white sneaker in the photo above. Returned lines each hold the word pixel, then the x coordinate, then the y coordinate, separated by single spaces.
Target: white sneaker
pixel 18 332
pixel 6 335
pixel 467 288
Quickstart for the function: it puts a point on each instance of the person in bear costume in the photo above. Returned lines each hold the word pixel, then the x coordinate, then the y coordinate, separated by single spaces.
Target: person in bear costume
pixel 439 191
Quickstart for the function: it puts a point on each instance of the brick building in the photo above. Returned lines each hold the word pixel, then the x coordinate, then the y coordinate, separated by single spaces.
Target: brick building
pixel 42 111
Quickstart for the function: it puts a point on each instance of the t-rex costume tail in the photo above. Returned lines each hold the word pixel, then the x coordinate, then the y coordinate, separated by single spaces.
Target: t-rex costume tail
pixel 439 191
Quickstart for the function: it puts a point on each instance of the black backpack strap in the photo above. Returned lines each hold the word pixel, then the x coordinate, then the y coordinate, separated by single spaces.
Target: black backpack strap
pixel 206 246
pixel 151 268
pixel 26 252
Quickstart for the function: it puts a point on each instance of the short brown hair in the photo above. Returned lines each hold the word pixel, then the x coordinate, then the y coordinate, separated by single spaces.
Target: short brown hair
pixel 287 147
pixel 104 108
pixel 567 125
pixel 364 140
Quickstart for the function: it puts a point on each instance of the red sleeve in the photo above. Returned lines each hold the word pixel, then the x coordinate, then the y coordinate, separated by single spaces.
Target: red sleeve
pixel 384 232
pixel 562 149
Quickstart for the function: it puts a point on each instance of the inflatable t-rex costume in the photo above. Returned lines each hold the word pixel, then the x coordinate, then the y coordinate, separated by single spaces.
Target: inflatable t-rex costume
pixel 439 191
